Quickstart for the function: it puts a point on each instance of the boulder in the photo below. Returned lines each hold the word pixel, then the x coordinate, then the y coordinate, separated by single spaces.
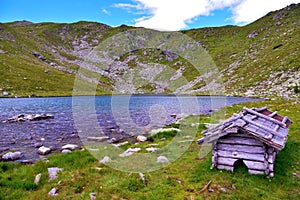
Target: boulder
pixel 52 171
pixel 44 150
pixel 53 192
pixel 71 147
pixel 12 155
pixel 151 149
pixel 129 152
pixel 37 178
pixel 141 138
pixel 65 151
pixel 253 34
pixel 106 159
pixel 162 159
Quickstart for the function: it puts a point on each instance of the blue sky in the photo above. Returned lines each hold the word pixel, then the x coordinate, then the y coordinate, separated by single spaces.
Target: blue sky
pixel 157 14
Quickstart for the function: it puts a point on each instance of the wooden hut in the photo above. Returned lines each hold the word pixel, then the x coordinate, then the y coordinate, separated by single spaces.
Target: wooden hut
pixel 253 138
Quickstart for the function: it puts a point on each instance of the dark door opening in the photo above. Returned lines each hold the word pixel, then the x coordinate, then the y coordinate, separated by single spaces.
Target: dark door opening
pixel 239 166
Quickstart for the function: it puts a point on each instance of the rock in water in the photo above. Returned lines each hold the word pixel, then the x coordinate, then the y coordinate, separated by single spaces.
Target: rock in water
pixel 71 147
pixel 53 172
pixel 162 159
pixel 12 155
pixel 44 150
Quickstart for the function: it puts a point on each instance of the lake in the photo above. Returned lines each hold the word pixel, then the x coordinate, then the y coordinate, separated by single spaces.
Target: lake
pixel 116 116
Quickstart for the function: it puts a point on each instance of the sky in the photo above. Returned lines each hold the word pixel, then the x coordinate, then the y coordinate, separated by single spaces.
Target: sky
pixel 169 15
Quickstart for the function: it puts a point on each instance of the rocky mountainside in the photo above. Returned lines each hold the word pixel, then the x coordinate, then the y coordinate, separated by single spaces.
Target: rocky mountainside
pixel 260 59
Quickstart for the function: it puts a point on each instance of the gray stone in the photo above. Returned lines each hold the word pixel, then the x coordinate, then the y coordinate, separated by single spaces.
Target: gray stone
pixel 253 34
pixel 151 149
pixel 44 150
pixel 71 147
pixel 162 159
pixel 141 138
pixel 106 159
pixel 65 151
pixel 53 192
pixel 93 195
pixel 12 155
pixel 129 152
pixel 52 171
pixel 223 190
pixel 37 178
pixel 38 145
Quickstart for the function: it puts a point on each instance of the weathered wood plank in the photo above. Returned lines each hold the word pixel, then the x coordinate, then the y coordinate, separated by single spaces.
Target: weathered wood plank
pixel 242 148
pixel 240 140
pixel 251 171
pixel 260 109
pixel 225 167
pixel 241 155
pixel 272 157
pixel 271 167
pixel 226 161
pixel 254 165
pixel 244 135
pixel 270 131
pixel 273 114
pixel 263 116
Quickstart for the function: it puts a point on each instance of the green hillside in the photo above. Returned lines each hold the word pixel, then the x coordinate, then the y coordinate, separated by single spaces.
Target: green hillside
pixel 260 59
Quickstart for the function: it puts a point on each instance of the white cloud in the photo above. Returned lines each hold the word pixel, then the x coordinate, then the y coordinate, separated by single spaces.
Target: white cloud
pixel 177 14
pixel 250 10
pixel 106 11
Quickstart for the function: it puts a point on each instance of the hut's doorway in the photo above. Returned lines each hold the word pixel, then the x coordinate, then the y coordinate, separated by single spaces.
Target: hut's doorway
pixel 239 165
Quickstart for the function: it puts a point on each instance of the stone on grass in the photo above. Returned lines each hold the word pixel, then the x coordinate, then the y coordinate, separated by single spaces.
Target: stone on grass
pixel 37 178
pixel 129 152
pixel 93 195
pixel 53 172
pixel 64 151
pixel 141 138
pixel 44 150
pixel 162 159
pixel 106 159
pixel 151 149
pixel 53 192
pixel 71 147
pixel 12 155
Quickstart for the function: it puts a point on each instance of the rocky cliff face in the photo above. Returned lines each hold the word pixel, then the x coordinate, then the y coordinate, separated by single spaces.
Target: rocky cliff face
pixel 260 59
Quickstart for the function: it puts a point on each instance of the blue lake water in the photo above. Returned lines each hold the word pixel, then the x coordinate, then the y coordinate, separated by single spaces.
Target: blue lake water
pixel 115 115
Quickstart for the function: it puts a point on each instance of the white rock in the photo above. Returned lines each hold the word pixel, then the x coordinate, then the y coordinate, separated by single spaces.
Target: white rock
pixel 71 147
pixel 64 151
pixel 93 196
pixel 98 139
pixel 37 178
pixel 129 152
pixel 12 155
pixel 53 192
pixel 151 149
pixel 162 159
pixel 53 172
pixel 44 150
pixel 141 138
pixel 106 159
pixel 121 144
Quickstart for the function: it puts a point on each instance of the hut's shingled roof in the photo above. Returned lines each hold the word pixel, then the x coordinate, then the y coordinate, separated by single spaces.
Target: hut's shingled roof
pixel 265 125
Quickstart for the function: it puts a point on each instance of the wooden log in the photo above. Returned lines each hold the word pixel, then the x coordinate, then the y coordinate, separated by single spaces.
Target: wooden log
pixel 230 168
pixel 241 155
pixel 251 171
pixel 271 167
pixel 272 114
pixel 242 135
pixel 254 165
pixel 240 140
pixel 242 148
pixel 226 161
pixel 270 150
pixel 272 157
pixel 276 128
pixel 268 135
pixel 260 109
pixel 284 120
pixel 264 116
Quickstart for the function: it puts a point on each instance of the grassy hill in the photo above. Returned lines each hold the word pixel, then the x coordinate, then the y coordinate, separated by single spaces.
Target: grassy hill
pixel 260 59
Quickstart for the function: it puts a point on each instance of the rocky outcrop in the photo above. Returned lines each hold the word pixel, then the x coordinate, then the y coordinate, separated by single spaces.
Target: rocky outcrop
pixel 27 117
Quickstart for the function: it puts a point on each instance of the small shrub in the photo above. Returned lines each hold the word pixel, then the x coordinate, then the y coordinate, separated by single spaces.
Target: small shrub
pixel 296 89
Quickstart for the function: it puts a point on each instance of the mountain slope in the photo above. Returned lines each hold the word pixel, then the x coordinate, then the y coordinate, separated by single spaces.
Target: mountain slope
pixel 260 59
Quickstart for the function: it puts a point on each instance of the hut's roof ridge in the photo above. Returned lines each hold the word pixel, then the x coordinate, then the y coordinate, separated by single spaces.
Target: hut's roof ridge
pixel 265 125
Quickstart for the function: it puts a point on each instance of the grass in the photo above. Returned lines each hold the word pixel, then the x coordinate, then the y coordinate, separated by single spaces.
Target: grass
pixel 181 179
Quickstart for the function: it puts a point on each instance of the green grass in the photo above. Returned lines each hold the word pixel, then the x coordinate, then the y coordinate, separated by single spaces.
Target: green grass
pixel 179 180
